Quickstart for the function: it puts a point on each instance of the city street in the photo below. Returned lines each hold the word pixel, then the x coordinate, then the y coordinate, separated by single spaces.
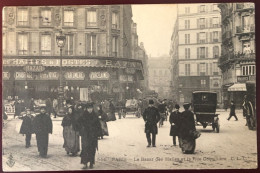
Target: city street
pixel 125 148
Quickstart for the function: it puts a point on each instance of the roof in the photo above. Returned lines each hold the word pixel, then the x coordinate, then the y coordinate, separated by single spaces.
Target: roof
pixel 237 87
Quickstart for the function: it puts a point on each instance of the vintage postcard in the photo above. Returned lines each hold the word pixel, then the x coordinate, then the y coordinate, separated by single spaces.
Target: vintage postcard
pixel 129 87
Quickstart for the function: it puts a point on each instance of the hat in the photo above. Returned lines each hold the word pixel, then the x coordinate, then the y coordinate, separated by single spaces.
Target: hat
pixel 186 105
pixel 43 107
pixel 151 102
pixel 177 106
pixel 89 105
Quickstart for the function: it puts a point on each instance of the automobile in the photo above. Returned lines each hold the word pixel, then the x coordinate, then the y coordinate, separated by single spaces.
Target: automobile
pixel 204 104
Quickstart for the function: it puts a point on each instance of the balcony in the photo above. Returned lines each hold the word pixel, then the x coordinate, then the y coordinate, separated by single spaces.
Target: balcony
pixel 224 59
pixel 245 29
pixel 244 6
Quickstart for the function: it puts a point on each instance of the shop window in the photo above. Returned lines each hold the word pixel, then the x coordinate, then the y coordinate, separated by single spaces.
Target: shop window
pixel 46 17
pixel 115 20
pixel 69 44
pixel 68 18
pixel 91 18
pixel 23 39
pixel 91 45
pixel 46 44
pixel 23 17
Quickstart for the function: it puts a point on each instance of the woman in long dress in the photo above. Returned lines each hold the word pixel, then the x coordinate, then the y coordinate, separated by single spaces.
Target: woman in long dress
pixel 102 116
pixel 187 125
pixel 70 133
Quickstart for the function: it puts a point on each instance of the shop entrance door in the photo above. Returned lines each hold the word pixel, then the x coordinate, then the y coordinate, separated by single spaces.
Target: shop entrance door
pixel 83 94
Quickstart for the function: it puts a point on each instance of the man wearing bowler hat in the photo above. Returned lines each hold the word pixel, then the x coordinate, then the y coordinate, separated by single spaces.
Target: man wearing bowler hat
pixel 151 117
pixel 42 126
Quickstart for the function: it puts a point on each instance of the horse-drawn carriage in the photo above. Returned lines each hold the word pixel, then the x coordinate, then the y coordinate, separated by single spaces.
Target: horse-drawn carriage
pixel 250 105
pixel 204 105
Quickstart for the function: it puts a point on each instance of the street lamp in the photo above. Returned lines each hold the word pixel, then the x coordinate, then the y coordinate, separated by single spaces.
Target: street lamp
pixel 61 40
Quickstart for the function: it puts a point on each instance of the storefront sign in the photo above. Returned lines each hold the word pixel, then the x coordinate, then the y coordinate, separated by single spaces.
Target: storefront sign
pixel 6 75
pixel 39 76
pixel 126 78
pixel 243 79
pixel 74 75
pixel 99 76
pixel 74 63
pixel 130 70
pixel 34 68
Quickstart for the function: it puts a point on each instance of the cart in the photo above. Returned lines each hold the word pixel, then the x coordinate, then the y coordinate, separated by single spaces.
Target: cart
pixel 131 106
pixel 204 105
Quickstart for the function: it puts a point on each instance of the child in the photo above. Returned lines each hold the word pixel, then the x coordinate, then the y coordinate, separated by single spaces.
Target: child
pixel 26 127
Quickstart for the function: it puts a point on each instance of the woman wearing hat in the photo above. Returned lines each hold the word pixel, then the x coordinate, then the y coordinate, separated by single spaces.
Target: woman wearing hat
pixel 89 128
pixel 70 133
pixel 187 125
pixel 175 119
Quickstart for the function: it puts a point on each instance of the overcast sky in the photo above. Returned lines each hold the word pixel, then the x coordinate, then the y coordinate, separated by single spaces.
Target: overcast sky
pixel 154 27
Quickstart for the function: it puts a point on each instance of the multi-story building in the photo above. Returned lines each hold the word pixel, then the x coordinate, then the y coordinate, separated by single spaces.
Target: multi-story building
pixel 96 59
pixel 195 49
pixel 160 76
pixel 237 61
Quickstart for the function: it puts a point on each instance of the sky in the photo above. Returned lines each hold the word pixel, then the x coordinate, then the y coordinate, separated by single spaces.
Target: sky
pixel 155 26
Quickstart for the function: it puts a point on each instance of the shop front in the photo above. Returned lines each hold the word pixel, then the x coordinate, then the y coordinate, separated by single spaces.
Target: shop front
pixel 82 78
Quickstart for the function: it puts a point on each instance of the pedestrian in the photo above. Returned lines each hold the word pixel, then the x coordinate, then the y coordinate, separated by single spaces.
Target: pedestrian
pixel 31 104
pixel 102 116
pixel 42 126
pixel 232 111
pixel 151 117
pixel 112 110
pixel 89 127
pixel 26 127
pixel 175 119
pixel 187 125
pixel 162 111
pixel 55 107
pixel 70 133
pixel 17 108
pixel 49 106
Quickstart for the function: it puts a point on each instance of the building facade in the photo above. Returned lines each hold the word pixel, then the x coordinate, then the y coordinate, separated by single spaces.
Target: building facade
pixel 160 76
pixel 96 60
pixel 195 50
pixel 237 61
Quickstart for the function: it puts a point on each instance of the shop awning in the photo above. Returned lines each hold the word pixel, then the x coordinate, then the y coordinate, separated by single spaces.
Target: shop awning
pixel 237 87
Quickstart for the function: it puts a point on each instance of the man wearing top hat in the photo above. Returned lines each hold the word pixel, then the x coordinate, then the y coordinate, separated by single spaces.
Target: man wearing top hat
pixel 42 126
pixel 151 117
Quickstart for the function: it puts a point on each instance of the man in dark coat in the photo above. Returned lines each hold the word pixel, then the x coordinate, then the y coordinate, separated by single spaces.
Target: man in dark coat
pixel 187 125
pixel 232 111
pixel 151 117
pixel 89 128
pixel 26 127
pixel 162 110
pixel 42 126
pixel 175 119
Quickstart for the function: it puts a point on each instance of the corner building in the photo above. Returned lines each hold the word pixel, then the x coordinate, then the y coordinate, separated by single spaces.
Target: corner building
pixel 195 50
pixel 96 58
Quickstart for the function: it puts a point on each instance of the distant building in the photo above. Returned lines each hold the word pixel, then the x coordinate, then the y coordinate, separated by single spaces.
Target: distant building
pixel 195 49
pixel 237 61
pixel 97 56
pixel 160 76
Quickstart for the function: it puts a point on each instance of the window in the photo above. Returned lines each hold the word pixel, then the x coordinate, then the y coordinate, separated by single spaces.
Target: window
pixel 246 47
pixel 187 24
pixel 187 53
pixel 215 22
pixel 91 45
pixel 203 83
pixel 69 18
pixel 202 37
pixel 202 69
pixel 215 7
pixel 248 70
pixel 215 68
pixel 202 23
pixel 69 45
pixel 201 52
pixel 46 44
pixel 187 38
pixel 115 46
pixel 215 52
pixel 215 36
pixel 46 19
pixel 115 20
pixel 202 8
pixel 4 43
pixel 187 69
pixel 246 23
pixel 91 18
pixel 23 43
pixel 22 17
pixel 187 10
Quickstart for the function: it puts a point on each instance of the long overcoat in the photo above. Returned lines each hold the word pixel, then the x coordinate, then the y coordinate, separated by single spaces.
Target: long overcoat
pixel 175 118
pixel 151 117
pixel 26 127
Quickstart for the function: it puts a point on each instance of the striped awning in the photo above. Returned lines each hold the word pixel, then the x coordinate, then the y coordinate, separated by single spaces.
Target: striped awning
pixel 237 87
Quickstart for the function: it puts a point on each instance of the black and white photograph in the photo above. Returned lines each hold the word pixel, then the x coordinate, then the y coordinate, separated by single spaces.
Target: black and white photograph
pixel 129 87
